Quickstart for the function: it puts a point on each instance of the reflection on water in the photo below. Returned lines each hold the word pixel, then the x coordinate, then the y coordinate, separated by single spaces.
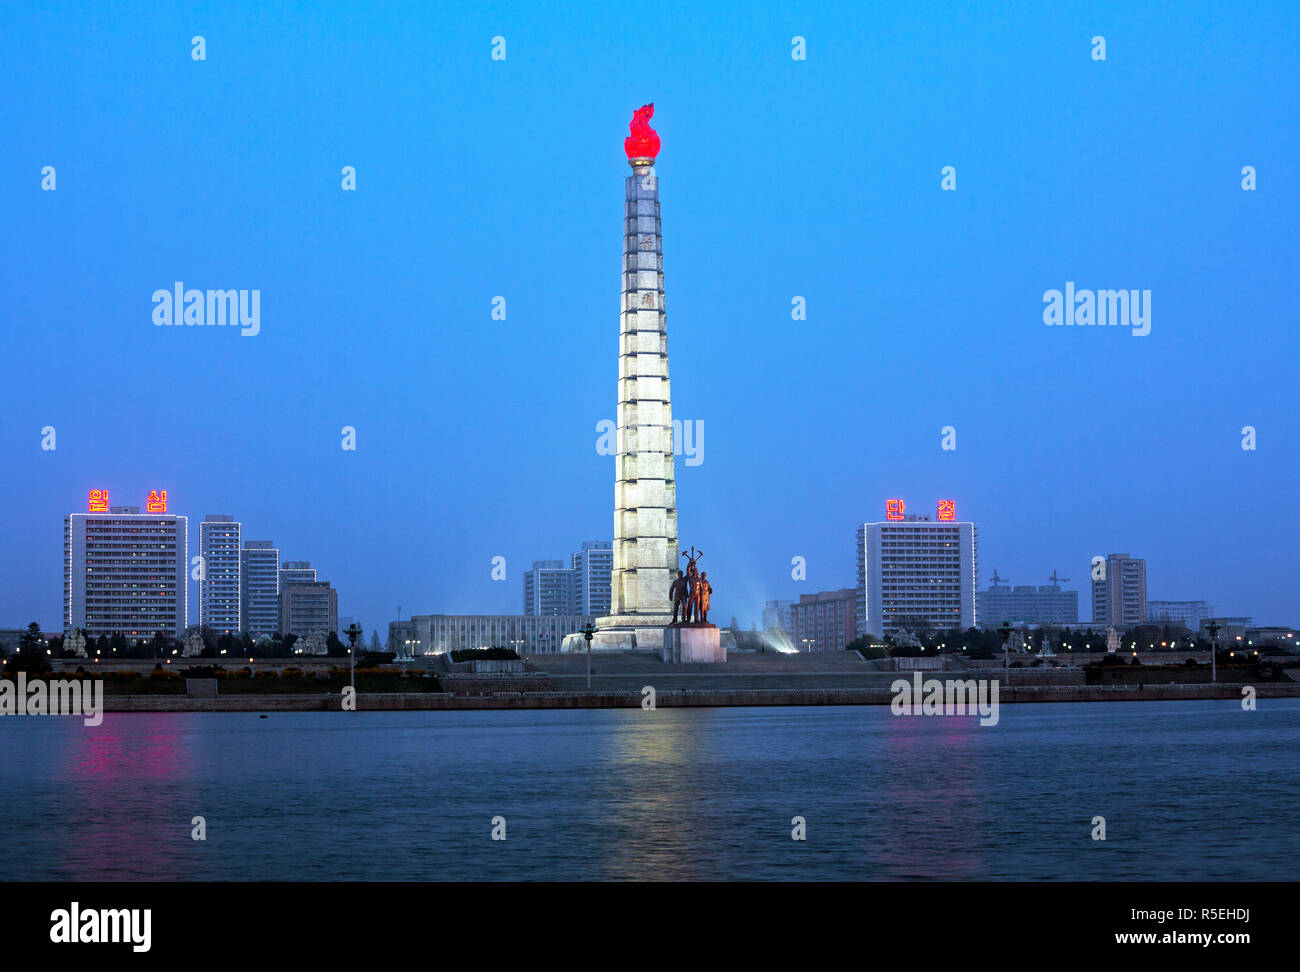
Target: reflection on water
pixel 674 794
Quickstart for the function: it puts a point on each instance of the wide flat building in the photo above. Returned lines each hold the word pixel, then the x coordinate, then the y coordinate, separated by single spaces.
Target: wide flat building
pixel 219 590
pixel 260 587
pixel 826 621
pixel 1187 613
pixel 1047 604
pixel 1119 598
pixel 125 572
pixel 913 570
pixel 427 634
pixel 1231 630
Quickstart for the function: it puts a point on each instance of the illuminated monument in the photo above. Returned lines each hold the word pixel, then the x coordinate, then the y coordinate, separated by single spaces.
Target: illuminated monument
pixel 645 487
pixel 645 490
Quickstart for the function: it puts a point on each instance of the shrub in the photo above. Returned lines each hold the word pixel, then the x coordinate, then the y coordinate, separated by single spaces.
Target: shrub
pixel 484 654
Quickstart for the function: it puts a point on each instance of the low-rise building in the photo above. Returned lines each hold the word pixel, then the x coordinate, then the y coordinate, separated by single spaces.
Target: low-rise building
pixel 825 621
pixel 429 634
pixel 308 608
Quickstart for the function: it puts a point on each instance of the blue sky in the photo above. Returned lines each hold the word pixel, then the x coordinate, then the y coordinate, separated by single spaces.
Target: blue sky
pixel 820 178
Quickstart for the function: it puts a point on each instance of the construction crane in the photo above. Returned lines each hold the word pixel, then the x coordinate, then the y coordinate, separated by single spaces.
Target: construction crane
pixel 1057 581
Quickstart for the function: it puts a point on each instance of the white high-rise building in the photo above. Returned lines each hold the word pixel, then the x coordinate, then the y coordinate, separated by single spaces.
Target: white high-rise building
pixel 593 568
pixel 548 588
pixel 912 569
pixel 260 587
pixel 1119 596
pixel 219 590
pixel 125 572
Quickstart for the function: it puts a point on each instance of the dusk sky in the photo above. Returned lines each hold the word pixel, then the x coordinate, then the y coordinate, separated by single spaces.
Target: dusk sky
pixel 820 178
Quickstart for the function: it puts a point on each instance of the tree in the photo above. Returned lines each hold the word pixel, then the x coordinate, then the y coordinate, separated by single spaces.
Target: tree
pixel 374 641
pixel 161 645
pixel 30 657
pixel 31 639
pixel 334 646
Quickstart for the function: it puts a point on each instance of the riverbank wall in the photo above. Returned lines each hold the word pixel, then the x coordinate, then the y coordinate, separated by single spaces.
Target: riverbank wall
pixel 674 698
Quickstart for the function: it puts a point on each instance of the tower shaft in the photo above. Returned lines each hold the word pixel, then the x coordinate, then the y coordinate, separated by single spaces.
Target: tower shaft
pixel 645 487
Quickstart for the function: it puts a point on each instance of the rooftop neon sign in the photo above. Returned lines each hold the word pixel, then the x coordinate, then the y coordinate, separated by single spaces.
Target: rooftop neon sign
pixel 97 501
pixel 896 509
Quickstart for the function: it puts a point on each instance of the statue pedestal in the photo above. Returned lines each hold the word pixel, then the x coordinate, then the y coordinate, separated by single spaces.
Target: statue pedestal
pixel 693 641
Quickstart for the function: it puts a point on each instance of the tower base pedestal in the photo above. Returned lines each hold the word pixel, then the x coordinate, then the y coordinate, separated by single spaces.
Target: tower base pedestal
pixel 621 633
pixel 693 641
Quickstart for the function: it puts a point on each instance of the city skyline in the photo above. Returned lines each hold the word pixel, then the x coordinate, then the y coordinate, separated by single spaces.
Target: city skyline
pixel 895 510
pixel 923 307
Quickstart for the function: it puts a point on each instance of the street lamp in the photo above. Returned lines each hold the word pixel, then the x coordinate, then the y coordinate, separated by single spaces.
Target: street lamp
pixel 1005 630
pixel 1213 629
pixel 353 632
pixel 588 632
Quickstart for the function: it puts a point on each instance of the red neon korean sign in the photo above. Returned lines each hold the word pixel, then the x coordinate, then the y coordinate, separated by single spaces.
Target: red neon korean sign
pixel 99 501
pixel 157 502
pixel 947 510
pixel 894 509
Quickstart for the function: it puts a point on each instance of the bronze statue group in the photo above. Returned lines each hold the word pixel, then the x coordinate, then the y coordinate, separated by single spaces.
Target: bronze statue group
pixel 690 591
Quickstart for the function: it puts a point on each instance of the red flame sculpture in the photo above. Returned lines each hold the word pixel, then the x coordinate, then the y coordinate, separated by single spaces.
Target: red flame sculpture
pixel 643 143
